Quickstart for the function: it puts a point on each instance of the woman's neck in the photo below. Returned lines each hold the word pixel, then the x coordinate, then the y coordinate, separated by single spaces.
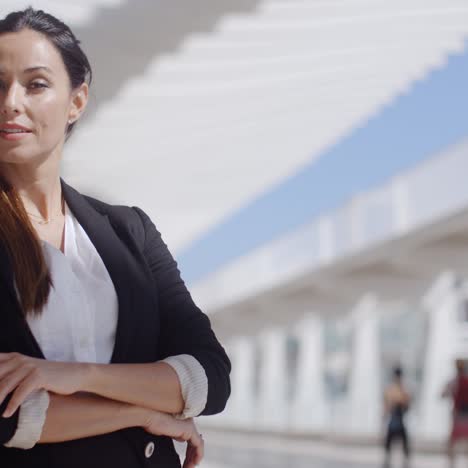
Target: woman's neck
pixel 42 199
pixel 40 191
pixel 38 187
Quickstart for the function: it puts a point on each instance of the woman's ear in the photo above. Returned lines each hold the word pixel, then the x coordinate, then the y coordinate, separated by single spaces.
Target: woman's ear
pixel 78 103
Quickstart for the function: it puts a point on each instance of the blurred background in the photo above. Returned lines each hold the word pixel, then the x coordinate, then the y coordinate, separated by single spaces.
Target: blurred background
pixel 307 164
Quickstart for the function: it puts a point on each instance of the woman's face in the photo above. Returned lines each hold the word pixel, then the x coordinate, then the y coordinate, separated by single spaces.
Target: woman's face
pixel 36 99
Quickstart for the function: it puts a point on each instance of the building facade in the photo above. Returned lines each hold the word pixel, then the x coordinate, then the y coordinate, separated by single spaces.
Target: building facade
pixel 316 318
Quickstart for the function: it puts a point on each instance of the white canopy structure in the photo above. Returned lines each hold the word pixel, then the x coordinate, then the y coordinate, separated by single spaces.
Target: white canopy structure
pixel 199 107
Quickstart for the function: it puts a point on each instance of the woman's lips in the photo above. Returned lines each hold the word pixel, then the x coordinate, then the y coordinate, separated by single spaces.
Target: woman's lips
pixel 13 136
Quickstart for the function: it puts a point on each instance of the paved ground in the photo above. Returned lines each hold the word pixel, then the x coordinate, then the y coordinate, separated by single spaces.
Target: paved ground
pixel 246 451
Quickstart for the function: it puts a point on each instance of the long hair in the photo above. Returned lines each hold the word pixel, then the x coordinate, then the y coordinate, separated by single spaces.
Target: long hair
pixel 17 235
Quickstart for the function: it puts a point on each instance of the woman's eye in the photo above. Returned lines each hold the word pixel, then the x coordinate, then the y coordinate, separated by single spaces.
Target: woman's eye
pixel 38 85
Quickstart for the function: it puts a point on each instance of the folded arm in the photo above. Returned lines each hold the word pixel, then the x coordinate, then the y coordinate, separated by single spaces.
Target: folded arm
pixel 90 415
pixel 176 388
pixel 48 417
pixel 71 417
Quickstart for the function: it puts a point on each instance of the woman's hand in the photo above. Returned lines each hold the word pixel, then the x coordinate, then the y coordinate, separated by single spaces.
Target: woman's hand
pixel 182 430
pixel 23 375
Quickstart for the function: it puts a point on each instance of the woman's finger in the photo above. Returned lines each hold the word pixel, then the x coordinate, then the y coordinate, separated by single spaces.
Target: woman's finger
pixel 7 366
pixel 24 389
pixel 11 381
pixel 200 451
pixel 189 461
pixel 196 446
pixel 7 356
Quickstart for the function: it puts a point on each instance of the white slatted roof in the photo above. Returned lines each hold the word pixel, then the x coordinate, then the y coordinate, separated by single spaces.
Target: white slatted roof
pixel 237 109
pixel 73 12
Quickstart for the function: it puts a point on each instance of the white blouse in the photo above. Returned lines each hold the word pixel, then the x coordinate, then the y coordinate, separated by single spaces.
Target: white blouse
pixel 78 324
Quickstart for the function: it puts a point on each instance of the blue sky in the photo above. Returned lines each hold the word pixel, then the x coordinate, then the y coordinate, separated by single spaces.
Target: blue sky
pixel 430 116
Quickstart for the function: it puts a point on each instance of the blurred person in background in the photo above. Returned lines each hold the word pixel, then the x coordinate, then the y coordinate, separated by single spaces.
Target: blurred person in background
pixel 457 390
pixel 396 404
pixel 104 356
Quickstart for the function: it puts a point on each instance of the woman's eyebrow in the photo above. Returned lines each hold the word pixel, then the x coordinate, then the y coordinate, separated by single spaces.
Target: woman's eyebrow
pixel 36 68
pixel 32 69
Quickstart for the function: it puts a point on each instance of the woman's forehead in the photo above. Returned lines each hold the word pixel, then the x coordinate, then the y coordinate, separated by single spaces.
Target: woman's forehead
pixel 27 49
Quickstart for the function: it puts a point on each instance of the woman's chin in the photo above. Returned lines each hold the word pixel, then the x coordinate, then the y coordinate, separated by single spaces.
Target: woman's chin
pixel 15 155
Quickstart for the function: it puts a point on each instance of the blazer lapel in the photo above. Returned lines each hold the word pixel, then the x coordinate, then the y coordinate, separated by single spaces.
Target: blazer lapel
pixel 117 259
pixel 126 274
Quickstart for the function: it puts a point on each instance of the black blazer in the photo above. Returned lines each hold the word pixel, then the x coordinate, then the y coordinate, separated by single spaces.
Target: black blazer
pixel 157 318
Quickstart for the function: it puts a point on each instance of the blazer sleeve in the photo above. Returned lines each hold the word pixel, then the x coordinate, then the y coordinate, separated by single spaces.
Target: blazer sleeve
pixel 185 328
pixel 9 425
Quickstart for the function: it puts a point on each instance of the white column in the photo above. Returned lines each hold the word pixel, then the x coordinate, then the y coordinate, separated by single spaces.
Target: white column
pixel 441 303
pixel 401 205
pixel 309 406
pixel 271 403
pixel 240 408
pixel 365 392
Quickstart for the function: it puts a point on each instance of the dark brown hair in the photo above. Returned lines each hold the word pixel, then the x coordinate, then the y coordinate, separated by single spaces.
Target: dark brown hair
pixel 17 235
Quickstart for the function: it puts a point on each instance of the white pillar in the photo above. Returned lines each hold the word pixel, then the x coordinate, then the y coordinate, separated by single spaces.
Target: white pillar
pixel 441 303
pixel 240 408
pixel 365 392
pixel 271 403
pixel 309 406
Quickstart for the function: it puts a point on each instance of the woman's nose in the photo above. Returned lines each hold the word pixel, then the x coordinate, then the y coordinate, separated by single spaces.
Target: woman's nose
pixel 11 102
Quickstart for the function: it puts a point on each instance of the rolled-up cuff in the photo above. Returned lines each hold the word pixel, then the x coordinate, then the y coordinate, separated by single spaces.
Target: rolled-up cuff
pixel 32 416
pixel 193 383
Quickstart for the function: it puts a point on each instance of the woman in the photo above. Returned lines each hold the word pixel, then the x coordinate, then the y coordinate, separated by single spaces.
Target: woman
pixel 104 357
pixel 457 390
pixel 396 404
